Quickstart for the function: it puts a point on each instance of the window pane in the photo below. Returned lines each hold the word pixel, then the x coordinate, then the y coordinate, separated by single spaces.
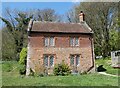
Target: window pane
pixel 51 41
pixel 71 41
pixel 77 60
pixel 76 41
pixel 72 60
pixel 46 41
pixel 51 60
pixel 46 61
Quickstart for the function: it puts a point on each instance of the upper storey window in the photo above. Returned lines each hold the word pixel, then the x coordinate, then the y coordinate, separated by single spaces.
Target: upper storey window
pixel 49 41
pixel 74 41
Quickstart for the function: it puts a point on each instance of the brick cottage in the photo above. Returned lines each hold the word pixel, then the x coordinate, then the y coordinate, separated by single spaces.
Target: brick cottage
pixel 50 43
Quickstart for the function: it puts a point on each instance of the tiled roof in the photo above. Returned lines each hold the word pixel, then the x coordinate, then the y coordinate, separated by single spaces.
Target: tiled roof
pixel 39 26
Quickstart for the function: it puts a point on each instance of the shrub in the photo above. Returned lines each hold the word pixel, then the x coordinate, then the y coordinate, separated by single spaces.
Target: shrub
pixel 22 61
pixel 22 69
pixel 84 73
pixel 62 69
pixel 40 71
pixel 23 56
pixel 6 66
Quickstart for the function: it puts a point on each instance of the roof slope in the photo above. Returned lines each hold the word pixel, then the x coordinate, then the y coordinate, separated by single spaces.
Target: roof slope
pixel 39 26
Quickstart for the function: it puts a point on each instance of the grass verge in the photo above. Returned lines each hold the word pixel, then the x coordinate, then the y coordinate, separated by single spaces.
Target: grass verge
pixel 11 77
pixel 107 65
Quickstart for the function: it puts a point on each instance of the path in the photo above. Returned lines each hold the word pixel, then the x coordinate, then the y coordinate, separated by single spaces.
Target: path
pixel 104 73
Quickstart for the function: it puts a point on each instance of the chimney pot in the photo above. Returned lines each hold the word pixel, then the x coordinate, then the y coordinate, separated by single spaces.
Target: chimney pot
pixel 81 16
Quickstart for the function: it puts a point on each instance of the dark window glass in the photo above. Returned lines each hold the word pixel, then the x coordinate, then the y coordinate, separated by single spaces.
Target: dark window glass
pixel 72 60
pixel 46 61
pixel 51 60
pixel 76 41
pixel 51 41
pixel 71 41
pixel 77 60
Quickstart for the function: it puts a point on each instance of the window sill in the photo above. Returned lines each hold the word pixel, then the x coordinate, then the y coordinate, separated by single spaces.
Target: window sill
pixel 49 46
pixel 74 46
pixel 49 67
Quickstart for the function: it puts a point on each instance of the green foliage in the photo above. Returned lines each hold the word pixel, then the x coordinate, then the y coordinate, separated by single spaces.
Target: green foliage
pixel 8 45
pixel 97 16
pixel 114 40
pixel 22 61
pixel 84 73
pixel 16 39
pixel 62 69
pixel 22 69
pixel 118 42
pixel 10 66
pixel 40 71
pixel 13 78
pixel 107 64
pixel 7 67
pixel 23 56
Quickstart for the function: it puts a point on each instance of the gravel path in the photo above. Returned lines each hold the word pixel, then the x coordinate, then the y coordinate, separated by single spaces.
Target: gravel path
pixel 104 73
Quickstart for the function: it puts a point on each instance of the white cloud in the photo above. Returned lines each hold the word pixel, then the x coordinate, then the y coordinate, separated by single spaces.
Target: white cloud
pixel 75 1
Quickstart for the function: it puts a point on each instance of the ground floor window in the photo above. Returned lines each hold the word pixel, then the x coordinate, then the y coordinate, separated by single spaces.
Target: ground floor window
pixel 48 60
pixel 74 60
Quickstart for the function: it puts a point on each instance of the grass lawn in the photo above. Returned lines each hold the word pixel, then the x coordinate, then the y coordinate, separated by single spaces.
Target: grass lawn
pixel 107 65
pixel 0 74
pixel 11 77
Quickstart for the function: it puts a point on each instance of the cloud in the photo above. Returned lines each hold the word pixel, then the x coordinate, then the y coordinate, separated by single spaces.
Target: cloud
pixel 75 1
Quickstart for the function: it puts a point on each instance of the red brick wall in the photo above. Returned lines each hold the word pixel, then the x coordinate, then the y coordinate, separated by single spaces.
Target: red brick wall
pixel 62 49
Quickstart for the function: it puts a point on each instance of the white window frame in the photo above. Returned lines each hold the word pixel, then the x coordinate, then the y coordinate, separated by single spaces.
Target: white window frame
pixel 48 40
pixel 75 59
pixel 74 41
pixel 77 41
pixel 48 60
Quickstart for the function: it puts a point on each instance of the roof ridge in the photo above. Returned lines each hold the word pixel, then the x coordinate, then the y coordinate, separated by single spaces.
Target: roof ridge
pixel 57 22
pixel 46 26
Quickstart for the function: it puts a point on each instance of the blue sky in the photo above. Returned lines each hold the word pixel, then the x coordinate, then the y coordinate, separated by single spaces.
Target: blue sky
pixel 59 7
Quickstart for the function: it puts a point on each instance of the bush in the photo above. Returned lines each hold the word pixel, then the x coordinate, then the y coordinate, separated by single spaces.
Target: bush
pixel 84 73
pixel 6 66
pixel 22 69
pixel 40 71
pixel 62 69
pixel 23 56
pixel 22 61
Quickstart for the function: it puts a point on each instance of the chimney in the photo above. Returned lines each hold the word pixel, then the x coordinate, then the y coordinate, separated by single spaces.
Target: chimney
pixel 30 25
pixel 81 16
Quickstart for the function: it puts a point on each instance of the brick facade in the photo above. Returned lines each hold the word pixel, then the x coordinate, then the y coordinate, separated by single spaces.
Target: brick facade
pixel 62 50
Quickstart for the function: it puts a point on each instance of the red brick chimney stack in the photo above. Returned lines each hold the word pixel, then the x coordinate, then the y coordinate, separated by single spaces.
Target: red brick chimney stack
pixel 81 16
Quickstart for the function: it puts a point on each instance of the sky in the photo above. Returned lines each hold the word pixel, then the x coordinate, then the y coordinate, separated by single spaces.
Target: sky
pixel 60 7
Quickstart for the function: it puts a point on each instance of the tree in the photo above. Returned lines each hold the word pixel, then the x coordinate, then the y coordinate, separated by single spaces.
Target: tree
pixel 16 23
pixel 47 15
pixel 8 45
pixel 18 31
pixel 113 40
pixel 99 16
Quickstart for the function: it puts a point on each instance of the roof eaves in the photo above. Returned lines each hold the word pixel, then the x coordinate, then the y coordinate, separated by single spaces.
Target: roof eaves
pixel 88 27
pixel 62 32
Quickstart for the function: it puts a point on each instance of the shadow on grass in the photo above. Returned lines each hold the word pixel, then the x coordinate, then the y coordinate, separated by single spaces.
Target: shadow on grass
pixel 101 69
